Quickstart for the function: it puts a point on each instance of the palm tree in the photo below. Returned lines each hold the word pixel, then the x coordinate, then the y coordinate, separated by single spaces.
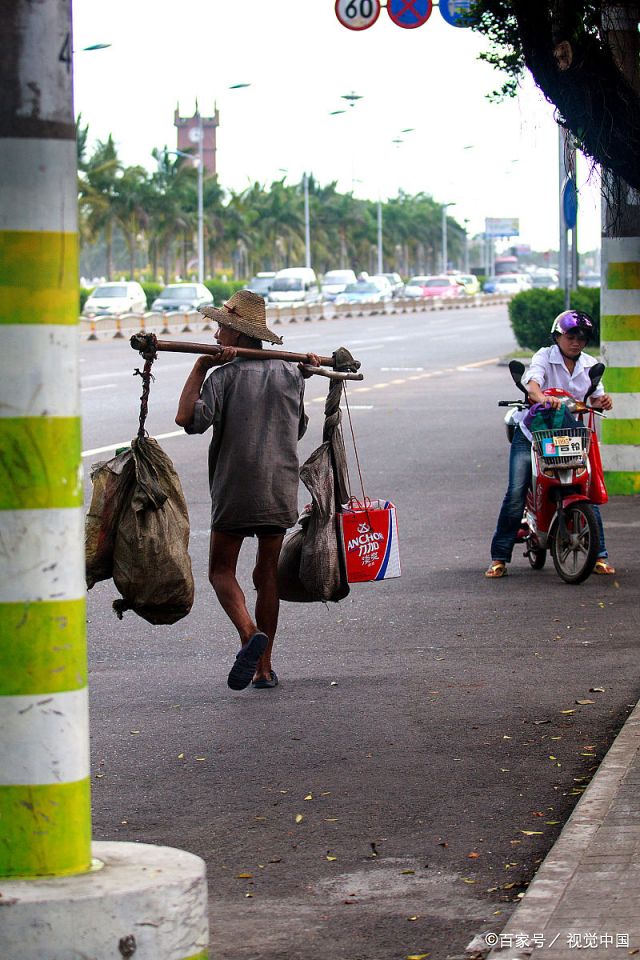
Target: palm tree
pixel 97 188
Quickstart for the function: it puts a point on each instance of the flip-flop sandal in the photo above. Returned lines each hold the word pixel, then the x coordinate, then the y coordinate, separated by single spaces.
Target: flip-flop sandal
pixel 264 684
pixel 246 661
pixel 602 567
pixel 497 569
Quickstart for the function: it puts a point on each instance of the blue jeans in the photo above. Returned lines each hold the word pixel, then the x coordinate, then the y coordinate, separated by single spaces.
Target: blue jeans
pixel 510 516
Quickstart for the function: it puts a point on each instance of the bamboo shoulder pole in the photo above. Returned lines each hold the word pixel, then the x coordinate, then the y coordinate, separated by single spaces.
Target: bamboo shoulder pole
pixel 148 343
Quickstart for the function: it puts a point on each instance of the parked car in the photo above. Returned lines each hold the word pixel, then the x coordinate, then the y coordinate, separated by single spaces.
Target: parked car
pixel 382 281
pixel 183 296
pixel 294 285
pixel 262 283
pixel 115 297
pixel 509 283
pixel 415 287
pixel 544 279
pixel 364 291
pixel 444 286
pixel 397 286
pixel 335 281
pixel 470 283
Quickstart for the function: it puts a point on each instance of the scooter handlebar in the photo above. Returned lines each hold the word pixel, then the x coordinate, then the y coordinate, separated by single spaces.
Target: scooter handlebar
pixel 511 403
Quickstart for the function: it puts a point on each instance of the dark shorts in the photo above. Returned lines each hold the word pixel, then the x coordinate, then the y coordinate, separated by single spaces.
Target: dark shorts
pixel 260 530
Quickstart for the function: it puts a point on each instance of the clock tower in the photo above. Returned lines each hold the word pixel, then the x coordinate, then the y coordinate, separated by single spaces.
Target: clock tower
pixel 188 133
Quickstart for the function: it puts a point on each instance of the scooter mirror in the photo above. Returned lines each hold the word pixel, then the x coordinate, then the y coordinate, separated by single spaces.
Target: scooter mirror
pixel 595 375
pixel 516 369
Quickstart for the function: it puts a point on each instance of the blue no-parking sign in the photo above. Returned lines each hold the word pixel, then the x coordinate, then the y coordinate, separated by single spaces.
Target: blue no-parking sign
pixel 456 12
pixel 409 13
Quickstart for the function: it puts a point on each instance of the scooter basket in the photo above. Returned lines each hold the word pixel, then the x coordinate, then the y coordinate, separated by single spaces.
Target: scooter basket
pixel 563 446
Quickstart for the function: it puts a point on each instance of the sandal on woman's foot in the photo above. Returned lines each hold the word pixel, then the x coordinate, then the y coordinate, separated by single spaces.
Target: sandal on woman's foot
pixel 497 569
pixel 603 567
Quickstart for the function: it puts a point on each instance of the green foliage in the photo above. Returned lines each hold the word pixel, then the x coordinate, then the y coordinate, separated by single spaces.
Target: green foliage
pixel 532 313
pixel 152 291
pixel 223 289
pixel 84 294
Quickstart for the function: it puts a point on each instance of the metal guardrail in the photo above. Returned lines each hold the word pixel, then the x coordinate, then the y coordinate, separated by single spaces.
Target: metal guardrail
pixel 117 327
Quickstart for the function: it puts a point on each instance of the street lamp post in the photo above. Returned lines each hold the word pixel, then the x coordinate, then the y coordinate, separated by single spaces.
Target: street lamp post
pixel 199 161
pixel 200 201
pixel 380 264
pixel 444 234
pixel 307 227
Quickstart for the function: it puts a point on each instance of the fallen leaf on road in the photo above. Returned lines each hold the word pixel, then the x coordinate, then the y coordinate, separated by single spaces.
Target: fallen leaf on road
pixel 134 731
pixel 532 833
pixel 412 918
pixel 584 702
pixel 181 756
pixel 473 855
pixel 245 876
pixel 408 872
pixel 468 880
pixel 299 818
pixel 200 758
pixel 331 858
pixel 417 956
pixel 309 796
pixel 330 819
pixel 567 711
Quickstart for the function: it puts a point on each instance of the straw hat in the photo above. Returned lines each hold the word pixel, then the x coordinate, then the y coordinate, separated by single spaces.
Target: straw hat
pixel 245 312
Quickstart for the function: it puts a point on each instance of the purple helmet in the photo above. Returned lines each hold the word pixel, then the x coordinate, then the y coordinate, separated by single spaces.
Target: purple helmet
pixel 570 320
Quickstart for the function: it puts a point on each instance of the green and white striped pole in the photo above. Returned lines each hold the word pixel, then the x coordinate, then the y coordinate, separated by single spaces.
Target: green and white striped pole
pixel 44 754
pixel 56 900
pixel 620 345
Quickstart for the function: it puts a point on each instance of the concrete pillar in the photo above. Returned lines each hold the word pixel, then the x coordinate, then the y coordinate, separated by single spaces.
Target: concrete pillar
pixel 60 897
pixel 620 289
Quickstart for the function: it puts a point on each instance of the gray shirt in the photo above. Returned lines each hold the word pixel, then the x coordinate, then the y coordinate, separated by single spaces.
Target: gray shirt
pixel 256 410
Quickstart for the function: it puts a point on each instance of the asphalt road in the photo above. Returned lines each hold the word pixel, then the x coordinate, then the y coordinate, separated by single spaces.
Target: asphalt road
pixel 427 730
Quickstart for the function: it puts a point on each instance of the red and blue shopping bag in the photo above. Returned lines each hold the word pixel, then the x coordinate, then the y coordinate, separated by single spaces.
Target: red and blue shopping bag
pixel 369 535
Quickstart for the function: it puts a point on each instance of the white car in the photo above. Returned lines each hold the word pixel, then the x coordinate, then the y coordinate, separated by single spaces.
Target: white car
pixel 511 283
pixel 183 296
pixel 334 282
pixel 415 287
pixel 115 297
pixel 384 285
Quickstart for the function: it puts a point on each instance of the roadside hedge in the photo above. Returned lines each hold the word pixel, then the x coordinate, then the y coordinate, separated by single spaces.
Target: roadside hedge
pixel 224 289
pixel 532 312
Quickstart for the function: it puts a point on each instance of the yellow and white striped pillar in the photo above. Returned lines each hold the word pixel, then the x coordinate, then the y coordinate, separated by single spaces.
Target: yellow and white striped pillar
pixel 44 754
pixel 132 898
pixel 620 348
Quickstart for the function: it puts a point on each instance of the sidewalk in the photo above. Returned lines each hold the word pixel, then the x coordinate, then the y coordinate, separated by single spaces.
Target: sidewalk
pixel 586 894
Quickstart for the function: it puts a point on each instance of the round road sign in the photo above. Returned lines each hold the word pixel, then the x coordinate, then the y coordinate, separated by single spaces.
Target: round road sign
pixel 456 12
pixel 357 14
pixel 409 13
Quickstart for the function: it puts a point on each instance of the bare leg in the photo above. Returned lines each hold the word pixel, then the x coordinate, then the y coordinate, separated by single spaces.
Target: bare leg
pixel 265 579
pixel 223 558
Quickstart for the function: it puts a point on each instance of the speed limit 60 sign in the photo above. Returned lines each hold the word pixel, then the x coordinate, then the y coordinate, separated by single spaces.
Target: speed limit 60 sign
pixel 357 14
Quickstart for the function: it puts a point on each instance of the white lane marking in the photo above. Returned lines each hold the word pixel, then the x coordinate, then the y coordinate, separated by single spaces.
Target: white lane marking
pixel 401 369
pixel 39 559
pixel 127 443
pixel 376 386
pixel 45 738
pixel 99 386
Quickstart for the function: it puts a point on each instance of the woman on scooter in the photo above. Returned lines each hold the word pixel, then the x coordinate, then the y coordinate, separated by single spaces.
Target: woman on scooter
pixel 562 365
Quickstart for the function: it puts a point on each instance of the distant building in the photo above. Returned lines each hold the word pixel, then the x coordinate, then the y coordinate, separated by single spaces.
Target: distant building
pixel 188 128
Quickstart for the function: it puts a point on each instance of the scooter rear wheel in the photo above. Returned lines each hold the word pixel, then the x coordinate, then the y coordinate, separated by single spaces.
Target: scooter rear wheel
pixel 575 554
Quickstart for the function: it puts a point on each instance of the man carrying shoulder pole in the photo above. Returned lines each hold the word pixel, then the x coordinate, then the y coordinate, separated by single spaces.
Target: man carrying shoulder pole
pixel 256 411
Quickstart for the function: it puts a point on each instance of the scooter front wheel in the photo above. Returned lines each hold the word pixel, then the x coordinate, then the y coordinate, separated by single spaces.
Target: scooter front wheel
pixel 575 548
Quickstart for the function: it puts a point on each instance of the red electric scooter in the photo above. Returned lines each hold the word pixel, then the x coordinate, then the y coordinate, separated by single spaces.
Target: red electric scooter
pixel 559 513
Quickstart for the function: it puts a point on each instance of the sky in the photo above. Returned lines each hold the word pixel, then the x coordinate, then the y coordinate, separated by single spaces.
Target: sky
pixel 488 159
